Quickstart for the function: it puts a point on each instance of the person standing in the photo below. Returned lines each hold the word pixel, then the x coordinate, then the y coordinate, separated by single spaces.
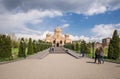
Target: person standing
pixel 83 53
pixel 96 55
pixel 101 55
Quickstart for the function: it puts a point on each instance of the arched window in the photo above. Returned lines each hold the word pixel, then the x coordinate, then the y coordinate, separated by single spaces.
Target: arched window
pixel 54 42
pixel 61 42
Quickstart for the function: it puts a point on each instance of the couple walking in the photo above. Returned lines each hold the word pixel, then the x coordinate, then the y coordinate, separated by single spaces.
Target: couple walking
pixel 99 54
pixel 51 49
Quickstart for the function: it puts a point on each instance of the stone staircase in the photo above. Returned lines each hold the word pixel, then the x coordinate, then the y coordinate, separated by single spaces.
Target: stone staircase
pixel 58 50
pixel 61 50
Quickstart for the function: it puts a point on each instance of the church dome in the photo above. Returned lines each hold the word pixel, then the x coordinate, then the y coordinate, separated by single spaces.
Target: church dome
pixel 58 29
pixel 66 35
pixel 48 35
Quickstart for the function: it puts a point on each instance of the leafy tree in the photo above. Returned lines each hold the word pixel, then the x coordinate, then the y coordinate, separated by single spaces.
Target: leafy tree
pixel 41 45
pixel 74 46
pixel 88 47
pixel 77 46
pixel 70 46
pixel 85 47
pixel 15 44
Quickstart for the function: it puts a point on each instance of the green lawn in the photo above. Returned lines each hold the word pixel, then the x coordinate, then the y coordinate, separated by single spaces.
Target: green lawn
pixel 105 56
pixel 114 61
pixel 15 52
pixel 14 55
pixel 105 51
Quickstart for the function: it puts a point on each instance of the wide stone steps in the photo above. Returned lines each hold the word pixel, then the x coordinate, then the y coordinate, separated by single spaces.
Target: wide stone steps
pixel 57 50
pixel 61 50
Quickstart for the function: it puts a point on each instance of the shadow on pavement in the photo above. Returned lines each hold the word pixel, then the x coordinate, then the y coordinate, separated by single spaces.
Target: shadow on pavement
pixel 117 66
pixel 90 62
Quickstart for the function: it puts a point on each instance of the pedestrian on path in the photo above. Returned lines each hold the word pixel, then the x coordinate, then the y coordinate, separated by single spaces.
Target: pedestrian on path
pixel 96 55
pixel 52 49
pixel 101 55
pixel 83 53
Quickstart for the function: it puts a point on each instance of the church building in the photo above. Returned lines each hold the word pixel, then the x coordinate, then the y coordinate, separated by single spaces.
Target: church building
pixel 58 39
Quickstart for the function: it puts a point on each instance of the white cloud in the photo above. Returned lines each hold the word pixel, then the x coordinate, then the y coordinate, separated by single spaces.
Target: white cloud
pixel 96 9
pixel 87 7
pixel 105 30
pixel 17 22
pixel 65 26
pixel 34 36
pixel 37 21
pixel 99 32
pixel 15 16
pixel 75 38
pixel 87 39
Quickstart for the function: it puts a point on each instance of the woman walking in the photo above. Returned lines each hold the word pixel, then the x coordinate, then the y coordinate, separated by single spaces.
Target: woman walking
pixel 101 55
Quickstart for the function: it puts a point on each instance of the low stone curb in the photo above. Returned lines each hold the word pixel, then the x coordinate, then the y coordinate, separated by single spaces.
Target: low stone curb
pixel 43 54
pixel 39 55
pixel 72 53
pixel 6 62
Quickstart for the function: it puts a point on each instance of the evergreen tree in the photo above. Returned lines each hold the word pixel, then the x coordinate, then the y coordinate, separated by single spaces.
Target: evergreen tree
pixel 88 46
pixel 30 47
pixel 22 48
pixel 8 47
pixel 77 46
pixel 1 45
pixel 5 47
pixel 34 47
pixel 114 48
pixel 119 46
pixel 83 46
pixel 15 44
pixel 110 50
pixel 74 46
pixel 37 46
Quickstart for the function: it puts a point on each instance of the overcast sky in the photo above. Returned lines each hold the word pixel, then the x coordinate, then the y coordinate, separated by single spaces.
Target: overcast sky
pixel 82 19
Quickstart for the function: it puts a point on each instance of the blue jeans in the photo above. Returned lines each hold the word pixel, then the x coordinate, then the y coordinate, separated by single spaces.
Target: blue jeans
pixel 102 59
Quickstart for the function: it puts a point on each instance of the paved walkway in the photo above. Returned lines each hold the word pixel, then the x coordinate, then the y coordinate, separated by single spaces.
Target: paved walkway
pixel 59 66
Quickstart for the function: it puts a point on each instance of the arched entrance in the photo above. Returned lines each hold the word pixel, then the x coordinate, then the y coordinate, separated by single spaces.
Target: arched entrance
pixel 57 45
pixel 61 42
pixel 54 42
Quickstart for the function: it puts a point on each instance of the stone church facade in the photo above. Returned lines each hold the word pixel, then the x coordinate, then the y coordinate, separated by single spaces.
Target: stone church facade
pixel 58 39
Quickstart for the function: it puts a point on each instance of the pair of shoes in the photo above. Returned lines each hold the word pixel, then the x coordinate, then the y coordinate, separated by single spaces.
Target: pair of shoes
pixel 99 62
pixel 103 62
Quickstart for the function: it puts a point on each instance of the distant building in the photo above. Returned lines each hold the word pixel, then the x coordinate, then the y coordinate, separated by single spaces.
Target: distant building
pixel 105 42
pixel 58 39
pixel 97 45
